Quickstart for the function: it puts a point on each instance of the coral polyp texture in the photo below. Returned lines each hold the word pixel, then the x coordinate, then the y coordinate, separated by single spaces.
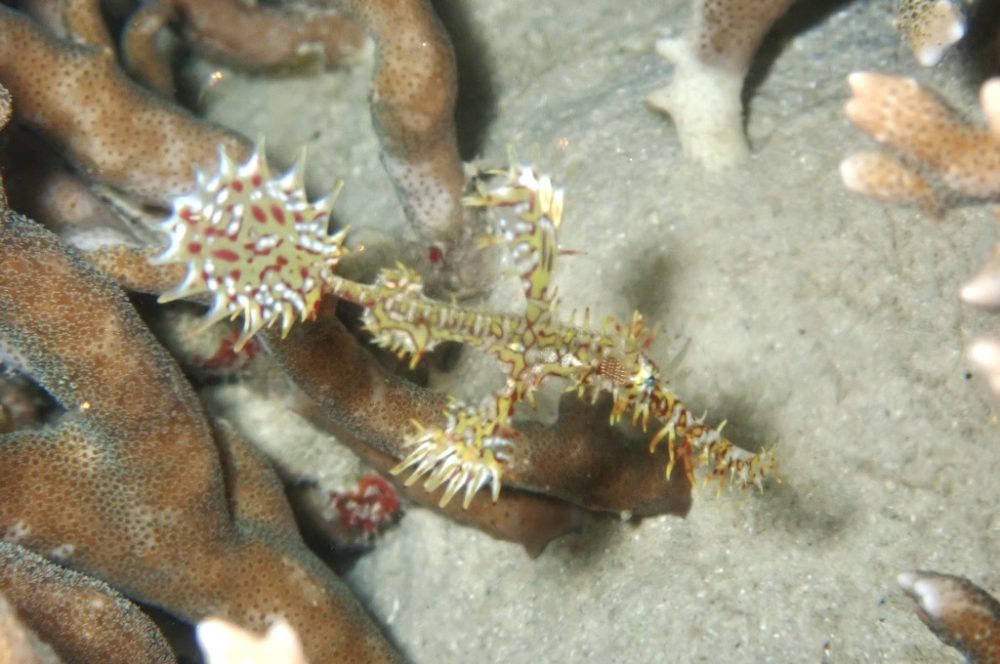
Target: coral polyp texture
pixel 930 27
pixel 938 158
pixel 469 450
pixel 959 613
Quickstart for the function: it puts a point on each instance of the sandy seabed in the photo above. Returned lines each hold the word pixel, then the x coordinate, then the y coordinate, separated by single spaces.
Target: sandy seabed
pixel 810 318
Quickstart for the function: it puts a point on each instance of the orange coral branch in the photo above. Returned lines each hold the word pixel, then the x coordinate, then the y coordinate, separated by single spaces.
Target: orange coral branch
pixel 942 158
pixel 530 519
pixel 931 27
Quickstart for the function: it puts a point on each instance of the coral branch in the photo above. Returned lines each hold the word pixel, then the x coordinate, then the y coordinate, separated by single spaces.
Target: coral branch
pixel 112 130
pixel 82 619
pixel 710 62
pixel 412 105
pixel 959 613
pixel 156 527
pixel 942 158
pixel 931 27
pixel 236 33
pixel 527 518
pixel 578 459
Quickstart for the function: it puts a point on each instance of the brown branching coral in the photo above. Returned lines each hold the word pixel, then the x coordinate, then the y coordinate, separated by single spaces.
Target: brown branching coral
pixel 620 478
pixel 112 130
pixel 117 137
pixel 241 34
pixel 942 158
pixel 413 104
pixel 159 530
pixel 959 613
pixel 80 618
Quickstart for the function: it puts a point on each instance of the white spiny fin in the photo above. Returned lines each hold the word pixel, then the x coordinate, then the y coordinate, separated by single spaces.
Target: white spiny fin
pixel 472 487
pixel 294 177
pixel 226 166
pixel 458 478
pixel 325 206
pixel 253 320
pixel 257 163
pixel 218 312
pixel 241 341
pixel 447 467
pixel 288 316
pixel 192 285
pixel 200 178
pixel 427 463
pixel 495 474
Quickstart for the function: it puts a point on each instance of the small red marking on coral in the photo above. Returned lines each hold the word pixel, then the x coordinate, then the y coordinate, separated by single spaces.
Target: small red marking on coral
pixel 435 254
pixel 278 213
pixel 235 274
pixel 194 247
pixel 258 214
pixel 226 356
pixel 237 185
pixel 256 180
pixel 371 507
pixel 226 255
pixel 297 216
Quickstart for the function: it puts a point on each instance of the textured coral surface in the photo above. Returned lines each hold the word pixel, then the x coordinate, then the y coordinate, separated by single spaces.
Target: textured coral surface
pixel 809 317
